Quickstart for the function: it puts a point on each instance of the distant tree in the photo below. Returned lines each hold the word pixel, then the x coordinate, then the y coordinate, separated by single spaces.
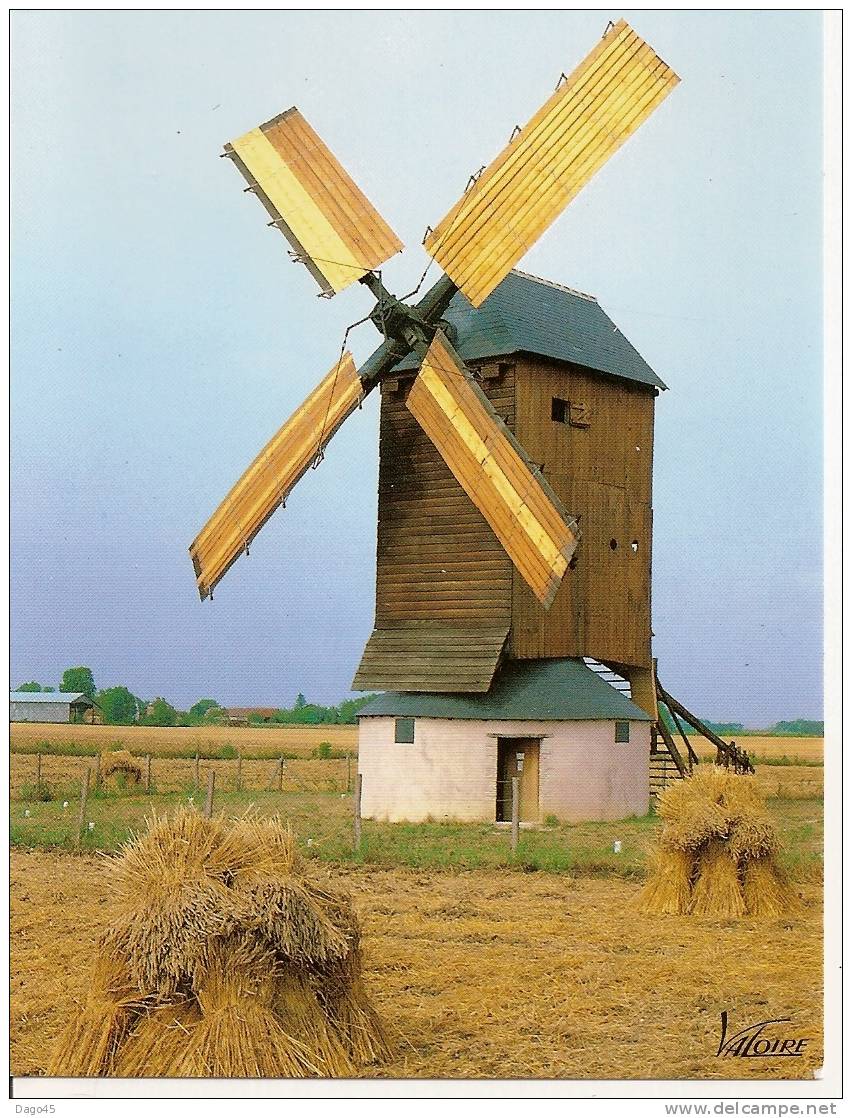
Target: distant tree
pixel 199 709
pixel 160 713
pixel 48 690
pixel 348 709
pixel 301 702
pixel 726 729
pixel 31 686
pixel 800 727
pixel 78 679
pixel 118 705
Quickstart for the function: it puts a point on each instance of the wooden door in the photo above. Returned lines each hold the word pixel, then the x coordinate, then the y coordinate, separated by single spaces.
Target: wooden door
pixel 517 757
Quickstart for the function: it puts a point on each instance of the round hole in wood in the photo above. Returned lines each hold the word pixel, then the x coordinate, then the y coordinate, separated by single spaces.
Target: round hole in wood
pixel 613 544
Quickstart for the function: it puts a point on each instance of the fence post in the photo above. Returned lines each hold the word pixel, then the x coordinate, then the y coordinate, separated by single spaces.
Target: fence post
pixel 239 772
pixel 84 795
pixel 281 774
pixel 197 785
pixel 515 813
pixel 357 812
pixel 211 784
pixel 148 774
pixel 38 770
pixel 348 772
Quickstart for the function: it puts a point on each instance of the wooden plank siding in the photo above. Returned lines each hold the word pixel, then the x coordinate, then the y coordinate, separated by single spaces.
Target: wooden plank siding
pixel 492 467
pixel 437 558
pixel 603 608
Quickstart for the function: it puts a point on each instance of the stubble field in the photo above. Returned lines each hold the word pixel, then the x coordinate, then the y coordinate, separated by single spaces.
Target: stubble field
pixel 488 974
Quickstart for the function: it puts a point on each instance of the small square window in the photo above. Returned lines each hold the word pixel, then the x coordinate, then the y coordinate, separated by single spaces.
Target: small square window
pixel 559 410
pixel 622 732
pixel 404 731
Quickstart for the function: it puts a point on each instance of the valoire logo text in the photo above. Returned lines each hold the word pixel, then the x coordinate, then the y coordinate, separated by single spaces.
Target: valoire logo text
pixel 762 1039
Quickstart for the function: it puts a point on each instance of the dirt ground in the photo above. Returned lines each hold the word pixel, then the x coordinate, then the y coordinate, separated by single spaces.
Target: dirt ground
pixel 489 973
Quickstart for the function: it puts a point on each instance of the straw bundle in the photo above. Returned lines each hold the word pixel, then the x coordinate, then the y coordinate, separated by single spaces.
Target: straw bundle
pixel 226 961
pixel 669 889
pixel 121 761
pixel 765 893
pixel 717 890
pixel 717 850
pixel 90 1042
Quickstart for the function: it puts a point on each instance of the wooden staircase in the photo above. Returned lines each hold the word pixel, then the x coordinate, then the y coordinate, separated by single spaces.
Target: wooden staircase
pixel 662 771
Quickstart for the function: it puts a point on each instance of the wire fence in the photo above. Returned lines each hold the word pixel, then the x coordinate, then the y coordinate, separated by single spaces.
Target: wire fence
pixel 81 790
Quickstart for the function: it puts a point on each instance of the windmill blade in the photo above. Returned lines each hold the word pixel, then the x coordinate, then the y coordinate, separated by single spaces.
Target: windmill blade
pixel 271 476
pixel 544 167
pixel 333 229
pixel 492 468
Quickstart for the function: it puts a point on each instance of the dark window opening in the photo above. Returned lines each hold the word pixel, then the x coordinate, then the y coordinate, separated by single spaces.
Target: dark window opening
pixel 403 731
pixel 559 410
pixel 622 732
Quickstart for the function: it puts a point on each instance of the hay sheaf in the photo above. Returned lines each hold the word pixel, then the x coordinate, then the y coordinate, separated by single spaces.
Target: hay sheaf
pixel 120 761
pixel 222 959
pixel 717 850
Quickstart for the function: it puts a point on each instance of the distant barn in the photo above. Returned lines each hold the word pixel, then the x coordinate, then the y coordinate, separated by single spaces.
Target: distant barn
pixel 52 706
pixel 241 716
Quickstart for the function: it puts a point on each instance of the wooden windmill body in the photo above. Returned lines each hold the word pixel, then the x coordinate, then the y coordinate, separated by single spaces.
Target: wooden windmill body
pixel 516 438
pixel 580 400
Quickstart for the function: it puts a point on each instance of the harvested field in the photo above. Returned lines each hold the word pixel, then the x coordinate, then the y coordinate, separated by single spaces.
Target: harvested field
pixel 772 748
pixel 176 741
pixel 490 974
pixel 790 782
pixel 170 741
pixel 63 774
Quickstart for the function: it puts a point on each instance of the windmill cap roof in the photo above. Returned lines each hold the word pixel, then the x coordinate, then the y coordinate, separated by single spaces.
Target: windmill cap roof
pixel 540 690
pixel 526 314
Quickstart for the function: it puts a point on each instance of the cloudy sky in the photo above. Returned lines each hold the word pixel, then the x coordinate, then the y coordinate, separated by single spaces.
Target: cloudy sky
pixel 161 334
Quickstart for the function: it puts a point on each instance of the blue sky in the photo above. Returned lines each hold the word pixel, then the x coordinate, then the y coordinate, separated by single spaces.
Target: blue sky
pixel 160 334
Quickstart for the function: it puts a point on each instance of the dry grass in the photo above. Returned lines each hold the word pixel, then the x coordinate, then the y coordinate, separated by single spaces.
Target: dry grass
pixel 486 974
pixel 176 740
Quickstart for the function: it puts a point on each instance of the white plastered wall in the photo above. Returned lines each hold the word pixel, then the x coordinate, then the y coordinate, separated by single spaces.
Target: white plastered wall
pixel 450 770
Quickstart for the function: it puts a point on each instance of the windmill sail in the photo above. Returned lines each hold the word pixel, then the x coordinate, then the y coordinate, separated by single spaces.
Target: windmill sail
pixel 271 476
pixel 332 227
pixel 525 515
pixel 607 97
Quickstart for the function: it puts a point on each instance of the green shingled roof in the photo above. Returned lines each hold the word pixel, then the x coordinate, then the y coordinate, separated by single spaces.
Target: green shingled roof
pixel 525 314
pixel 540 690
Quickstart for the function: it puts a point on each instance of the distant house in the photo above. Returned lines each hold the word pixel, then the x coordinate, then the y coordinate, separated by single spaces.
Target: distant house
pixel 240 716
pixel 52 706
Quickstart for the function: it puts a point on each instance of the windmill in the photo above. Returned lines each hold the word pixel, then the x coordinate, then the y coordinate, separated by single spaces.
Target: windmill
pixel 482 557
